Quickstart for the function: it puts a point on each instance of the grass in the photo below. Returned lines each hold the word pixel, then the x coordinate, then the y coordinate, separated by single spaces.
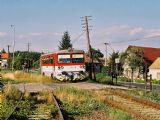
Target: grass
pixel 8 99
pixel 103 78
pixel 119 115
pixel 23 77
pixel 152 95
pixel 78 102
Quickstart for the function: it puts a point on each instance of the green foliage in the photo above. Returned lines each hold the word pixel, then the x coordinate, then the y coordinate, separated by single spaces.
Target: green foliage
pixel 96 53
pixel 154 96
pixel 103 78
pixel 23 56
pixel 5 108
pixel 78 102
pixel 125 79
pixel 23 111
pixel 3 51
pixel 106 70
pixel 65 43
pixel 112 64
pixel 134 57
pixel 156 82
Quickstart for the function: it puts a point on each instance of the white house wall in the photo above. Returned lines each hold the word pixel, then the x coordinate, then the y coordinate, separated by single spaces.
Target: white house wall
pixel 154 73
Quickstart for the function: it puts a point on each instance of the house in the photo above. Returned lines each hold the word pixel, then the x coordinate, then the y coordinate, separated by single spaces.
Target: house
pixel 154 69
pixel 149 56
pixel 3 60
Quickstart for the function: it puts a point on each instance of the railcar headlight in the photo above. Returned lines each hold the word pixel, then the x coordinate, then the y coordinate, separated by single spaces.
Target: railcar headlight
pixel 60 67
pixel 82 66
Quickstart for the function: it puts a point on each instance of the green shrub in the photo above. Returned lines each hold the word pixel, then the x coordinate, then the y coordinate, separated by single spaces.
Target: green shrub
pixel 156 82
pixel 125 79
pixel 103 78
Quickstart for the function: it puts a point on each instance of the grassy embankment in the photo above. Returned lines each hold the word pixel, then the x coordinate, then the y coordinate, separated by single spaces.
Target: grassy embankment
pixel 23 77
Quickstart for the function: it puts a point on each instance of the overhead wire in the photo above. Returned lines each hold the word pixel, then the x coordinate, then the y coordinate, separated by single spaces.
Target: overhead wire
pixel 77 38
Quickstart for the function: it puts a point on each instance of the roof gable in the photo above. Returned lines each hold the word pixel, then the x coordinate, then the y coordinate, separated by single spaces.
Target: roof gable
pixel 4 56
pixel 155 64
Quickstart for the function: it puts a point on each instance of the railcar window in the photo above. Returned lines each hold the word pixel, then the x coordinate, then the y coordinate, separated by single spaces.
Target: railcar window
pixel 48 60
pixel 77 58
pixel 63 58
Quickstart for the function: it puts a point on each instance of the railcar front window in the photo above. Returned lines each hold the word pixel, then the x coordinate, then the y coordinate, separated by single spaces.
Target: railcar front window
pixel 64 58
pixel 77 58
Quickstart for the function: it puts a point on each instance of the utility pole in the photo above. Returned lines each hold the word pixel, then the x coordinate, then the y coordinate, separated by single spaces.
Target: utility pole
pixel 8 61
pixel 105 54
pixel 27 59
pixel 28 47
pixel 13 26
pixel 86 27
pixel 8 46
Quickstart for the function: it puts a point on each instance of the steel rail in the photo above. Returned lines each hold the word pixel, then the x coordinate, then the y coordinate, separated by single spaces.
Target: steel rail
pixel 59 108
pixel 14 109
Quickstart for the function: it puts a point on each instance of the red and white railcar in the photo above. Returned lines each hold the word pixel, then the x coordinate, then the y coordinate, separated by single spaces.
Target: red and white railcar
pixel 64 65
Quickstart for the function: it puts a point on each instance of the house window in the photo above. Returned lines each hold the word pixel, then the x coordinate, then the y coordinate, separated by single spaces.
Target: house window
pixel 158 75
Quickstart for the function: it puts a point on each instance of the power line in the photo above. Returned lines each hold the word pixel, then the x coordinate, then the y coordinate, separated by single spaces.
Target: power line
pixel 77 38
pixel 137 39
pixel 132 40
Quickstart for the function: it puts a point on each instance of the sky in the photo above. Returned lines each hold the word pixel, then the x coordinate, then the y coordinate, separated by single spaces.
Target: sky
pixel 43 22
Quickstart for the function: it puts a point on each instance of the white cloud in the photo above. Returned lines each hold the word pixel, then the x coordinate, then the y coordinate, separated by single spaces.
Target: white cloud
pixel 136 30
pixel 3 34
pixel 119 33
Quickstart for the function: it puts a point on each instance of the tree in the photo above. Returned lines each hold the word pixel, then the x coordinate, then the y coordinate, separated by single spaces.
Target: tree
pixel 66 42
pixel 3 51
pixel 112 64
pixel 96 53
pixel 134 57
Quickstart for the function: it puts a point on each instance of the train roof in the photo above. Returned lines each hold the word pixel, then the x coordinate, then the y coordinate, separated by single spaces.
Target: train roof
pixel 65 51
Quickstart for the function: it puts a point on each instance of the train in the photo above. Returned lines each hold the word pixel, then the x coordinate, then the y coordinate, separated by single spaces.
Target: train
pixel 64 65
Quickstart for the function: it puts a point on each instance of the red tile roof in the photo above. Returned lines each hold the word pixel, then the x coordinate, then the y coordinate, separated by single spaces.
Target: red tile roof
pixel 150 53
pixel 4 56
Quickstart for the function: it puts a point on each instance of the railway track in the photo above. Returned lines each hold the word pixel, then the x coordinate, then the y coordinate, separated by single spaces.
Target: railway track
pixel 42 113
pixel 1 84
pixel 141 109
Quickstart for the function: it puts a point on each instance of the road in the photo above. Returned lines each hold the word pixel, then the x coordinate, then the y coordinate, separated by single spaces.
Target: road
pixel 34 87
pixel 138 85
